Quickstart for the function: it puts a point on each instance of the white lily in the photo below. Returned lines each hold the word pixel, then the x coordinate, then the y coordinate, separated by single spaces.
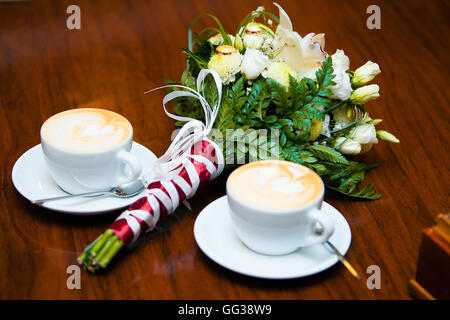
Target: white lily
pixel 305 54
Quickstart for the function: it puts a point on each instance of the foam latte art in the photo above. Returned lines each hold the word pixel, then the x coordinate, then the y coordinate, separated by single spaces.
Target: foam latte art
pixel 275 184
pixel 86 130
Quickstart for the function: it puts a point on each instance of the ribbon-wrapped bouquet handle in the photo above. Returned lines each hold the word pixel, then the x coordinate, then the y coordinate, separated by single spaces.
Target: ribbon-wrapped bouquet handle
pixel 191 160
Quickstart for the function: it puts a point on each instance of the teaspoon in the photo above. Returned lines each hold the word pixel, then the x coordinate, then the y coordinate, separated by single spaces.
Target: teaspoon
pixel 319 230
pixel 126 190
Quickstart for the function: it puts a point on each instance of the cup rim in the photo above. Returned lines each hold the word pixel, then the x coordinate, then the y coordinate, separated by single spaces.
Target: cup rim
pixel 260 210
pixel 87 153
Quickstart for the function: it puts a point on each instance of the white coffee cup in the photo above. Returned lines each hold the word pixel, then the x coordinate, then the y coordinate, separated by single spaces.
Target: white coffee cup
pixel 272 222
pixel 98 159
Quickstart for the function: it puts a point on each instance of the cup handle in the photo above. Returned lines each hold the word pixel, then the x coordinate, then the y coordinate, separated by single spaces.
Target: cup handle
pixel 125 157
pixel 327 226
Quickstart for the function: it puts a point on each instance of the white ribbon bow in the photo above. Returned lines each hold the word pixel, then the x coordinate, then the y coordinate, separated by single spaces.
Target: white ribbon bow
pixel 178 154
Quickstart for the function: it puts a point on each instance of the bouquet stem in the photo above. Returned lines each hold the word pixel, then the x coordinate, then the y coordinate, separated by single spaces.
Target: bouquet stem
pixel 99 253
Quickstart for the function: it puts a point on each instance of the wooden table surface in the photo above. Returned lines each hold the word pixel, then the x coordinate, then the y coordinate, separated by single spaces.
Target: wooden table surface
pixel 127 47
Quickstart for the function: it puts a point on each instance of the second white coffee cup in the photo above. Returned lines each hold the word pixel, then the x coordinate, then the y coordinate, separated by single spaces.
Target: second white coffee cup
pixel 275 231
pixel 103 164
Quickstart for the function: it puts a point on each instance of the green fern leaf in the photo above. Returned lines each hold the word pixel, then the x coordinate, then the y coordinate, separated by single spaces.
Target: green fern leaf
pixel 279 94
pixel 368 192
pixel 236 95
pixel 327 154
pixel 324 77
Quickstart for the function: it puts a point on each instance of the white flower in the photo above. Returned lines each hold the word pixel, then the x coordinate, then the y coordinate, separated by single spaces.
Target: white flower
pixel 366 73
pixel 340 60
pixel 270 47
pixel 343 87
pixel 280 72
pixel 255 35
pixel 254 63
pixel 366 135
pixel 306 54
pixel 253 41
pixel 341 117
pixel 313 54
pixel 227 63
pixel 348 147
pixel 364 94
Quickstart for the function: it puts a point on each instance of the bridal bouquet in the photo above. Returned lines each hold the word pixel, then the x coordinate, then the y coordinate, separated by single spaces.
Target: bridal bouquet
pixel 276 80
pixel 236 89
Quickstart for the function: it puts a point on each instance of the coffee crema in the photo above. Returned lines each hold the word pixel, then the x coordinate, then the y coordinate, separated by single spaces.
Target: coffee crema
pixel 275 184
pixel 86 130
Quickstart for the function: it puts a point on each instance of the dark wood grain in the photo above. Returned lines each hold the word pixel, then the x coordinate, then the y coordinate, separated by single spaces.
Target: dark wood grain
pixel 127 47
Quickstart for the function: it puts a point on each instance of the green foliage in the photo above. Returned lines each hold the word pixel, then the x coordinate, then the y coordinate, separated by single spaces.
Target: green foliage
pixel 199 59
pixel 345 178
pixel 233 99
pixel 236 95
pixel 327 154
pixel 368 192
pixel 324 78
pixel 247 107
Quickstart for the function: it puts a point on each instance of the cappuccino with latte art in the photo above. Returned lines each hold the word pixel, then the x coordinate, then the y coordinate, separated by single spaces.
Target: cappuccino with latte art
pixel 89 149
pixel 275 184
pixel 86 129
pixel 275 206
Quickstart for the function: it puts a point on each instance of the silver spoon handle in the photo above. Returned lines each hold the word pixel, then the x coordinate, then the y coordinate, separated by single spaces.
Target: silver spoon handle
pixel 94 193
pixel 344 261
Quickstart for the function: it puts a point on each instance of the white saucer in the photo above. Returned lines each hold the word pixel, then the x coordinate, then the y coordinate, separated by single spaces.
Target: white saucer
pixel 33 181
pixel 214 233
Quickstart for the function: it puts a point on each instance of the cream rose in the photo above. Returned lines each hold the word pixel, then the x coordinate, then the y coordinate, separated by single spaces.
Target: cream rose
pixel 348 147
pixel 340 60
pixel 254 63
pixel 343 87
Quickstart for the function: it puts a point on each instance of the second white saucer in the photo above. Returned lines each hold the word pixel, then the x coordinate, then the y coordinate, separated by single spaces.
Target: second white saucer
pixel 33 181
pixel 214 233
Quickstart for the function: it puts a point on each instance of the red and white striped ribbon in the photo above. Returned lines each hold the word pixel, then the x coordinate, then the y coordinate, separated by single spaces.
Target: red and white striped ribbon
pixel 190 160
